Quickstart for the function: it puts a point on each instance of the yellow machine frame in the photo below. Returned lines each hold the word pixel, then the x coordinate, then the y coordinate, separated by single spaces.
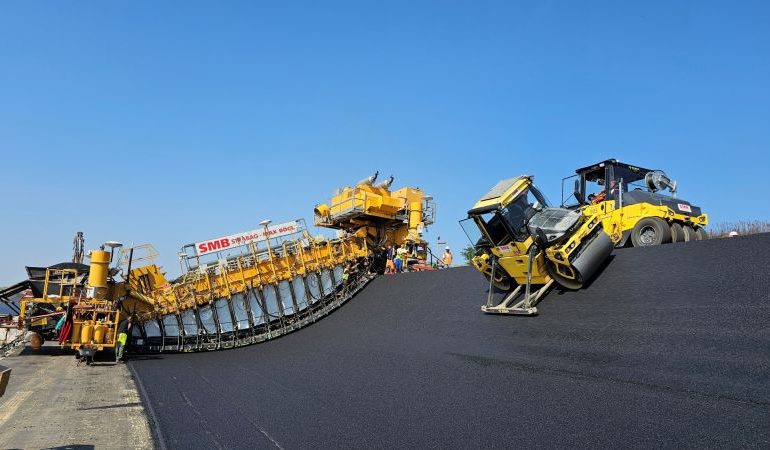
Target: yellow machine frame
pixel 94 319
pixel 522 262
pixel 619 218
pixel 382 216
pixel 257 267
pixel 98 306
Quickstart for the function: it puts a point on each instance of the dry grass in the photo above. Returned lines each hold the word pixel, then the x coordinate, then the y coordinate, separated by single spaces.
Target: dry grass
pixel 742 227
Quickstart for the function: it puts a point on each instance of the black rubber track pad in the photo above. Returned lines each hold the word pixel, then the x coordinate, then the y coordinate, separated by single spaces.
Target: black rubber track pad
pixel 669 346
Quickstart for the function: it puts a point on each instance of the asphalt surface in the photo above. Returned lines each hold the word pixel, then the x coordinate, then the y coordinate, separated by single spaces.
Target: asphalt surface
pixel 668 347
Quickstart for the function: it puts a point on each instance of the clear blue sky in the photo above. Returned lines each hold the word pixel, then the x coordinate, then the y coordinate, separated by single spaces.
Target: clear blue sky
pixel 171 122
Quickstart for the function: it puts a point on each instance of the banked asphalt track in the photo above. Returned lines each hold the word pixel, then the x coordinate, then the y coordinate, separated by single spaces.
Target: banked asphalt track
pixel 669 346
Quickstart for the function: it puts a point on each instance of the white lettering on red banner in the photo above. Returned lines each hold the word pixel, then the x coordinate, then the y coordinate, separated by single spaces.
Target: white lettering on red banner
pixel 237 240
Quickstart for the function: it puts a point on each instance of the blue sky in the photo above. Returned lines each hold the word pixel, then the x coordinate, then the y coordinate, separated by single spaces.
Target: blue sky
pixel 176 122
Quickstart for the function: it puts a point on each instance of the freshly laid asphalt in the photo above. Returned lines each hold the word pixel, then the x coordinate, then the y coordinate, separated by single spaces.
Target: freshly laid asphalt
pixel 668 347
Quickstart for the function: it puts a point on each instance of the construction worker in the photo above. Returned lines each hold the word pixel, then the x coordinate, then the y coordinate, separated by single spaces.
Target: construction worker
pixel 602 195
pixel 598 197
pixel 122 338
pixel 401 259
pixel 390 267
pixel 447 258
pixel 120 346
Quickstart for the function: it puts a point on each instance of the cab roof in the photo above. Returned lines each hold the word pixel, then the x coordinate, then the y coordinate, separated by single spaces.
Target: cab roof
pixel 500 194
pixel 596 171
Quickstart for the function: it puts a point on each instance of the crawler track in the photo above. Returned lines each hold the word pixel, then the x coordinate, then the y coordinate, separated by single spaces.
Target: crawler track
pixel 667 347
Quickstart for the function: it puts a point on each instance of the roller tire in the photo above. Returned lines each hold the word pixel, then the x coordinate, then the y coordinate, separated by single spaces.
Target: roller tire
pixel 677 233
pixel 700 234
pixel 689 233
pixel 650 231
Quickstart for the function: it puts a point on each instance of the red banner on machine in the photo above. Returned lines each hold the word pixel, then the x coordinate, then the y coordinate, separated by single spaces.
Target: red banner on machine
pixel 237 240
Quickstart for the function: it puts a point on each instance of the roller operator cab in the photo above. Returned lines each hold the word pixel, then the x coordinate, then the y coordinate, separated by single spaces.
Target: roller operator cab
pixel 520 241
pixel 632 205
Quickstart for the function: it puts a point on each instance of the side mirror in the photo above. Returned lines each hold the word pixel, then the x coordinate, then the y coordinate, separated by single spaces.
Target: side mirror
pixel 579 193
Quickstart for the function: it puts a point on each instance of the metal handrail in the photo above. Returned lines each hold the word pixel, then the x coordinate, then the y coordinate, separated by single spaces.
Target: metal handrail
pixel 71 281
pixel 354 200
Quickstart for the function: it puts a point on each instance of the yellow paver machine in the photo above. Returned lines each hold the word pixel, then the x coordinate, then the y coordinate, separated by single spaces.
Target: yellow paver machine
pixel 382 216
pixel 234 290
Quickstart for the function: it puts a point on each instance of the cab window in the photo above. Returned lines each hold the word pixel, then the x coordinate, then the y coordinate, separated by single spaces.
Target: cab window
pixel 495 228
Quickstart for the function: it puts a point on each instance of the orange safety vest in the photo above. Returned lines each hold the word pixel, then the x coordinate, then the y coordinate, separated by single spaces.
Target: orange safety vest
pixel 447 259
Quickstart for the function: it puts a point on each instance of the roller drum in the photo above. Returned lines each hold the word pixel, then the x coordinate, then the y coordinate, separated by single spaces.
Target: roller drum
pixel 592 256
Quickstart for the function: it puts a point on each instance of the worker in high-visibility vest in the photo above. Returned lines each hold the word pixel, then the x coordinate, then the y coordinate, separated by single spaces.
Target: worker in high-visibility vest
pixel 447 259
pixel 401 259
pixel 345 275
pixel 122 338
pixel 120 345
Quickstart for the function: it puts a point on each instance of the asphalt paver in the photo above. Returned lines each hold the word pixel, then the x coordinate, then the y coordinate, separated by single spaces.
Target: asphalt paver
pixel 668 347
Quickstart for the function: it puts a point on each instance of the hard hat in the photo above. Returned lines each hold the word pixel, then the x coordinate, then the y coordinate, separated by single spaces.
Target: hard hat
pixel 733 234
pixel 447 248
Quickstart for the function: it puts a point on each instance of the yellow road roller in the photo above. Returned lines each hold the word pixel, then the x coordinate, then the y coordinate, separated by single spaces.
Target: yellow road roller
pixel 523 246
pixel 633 205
